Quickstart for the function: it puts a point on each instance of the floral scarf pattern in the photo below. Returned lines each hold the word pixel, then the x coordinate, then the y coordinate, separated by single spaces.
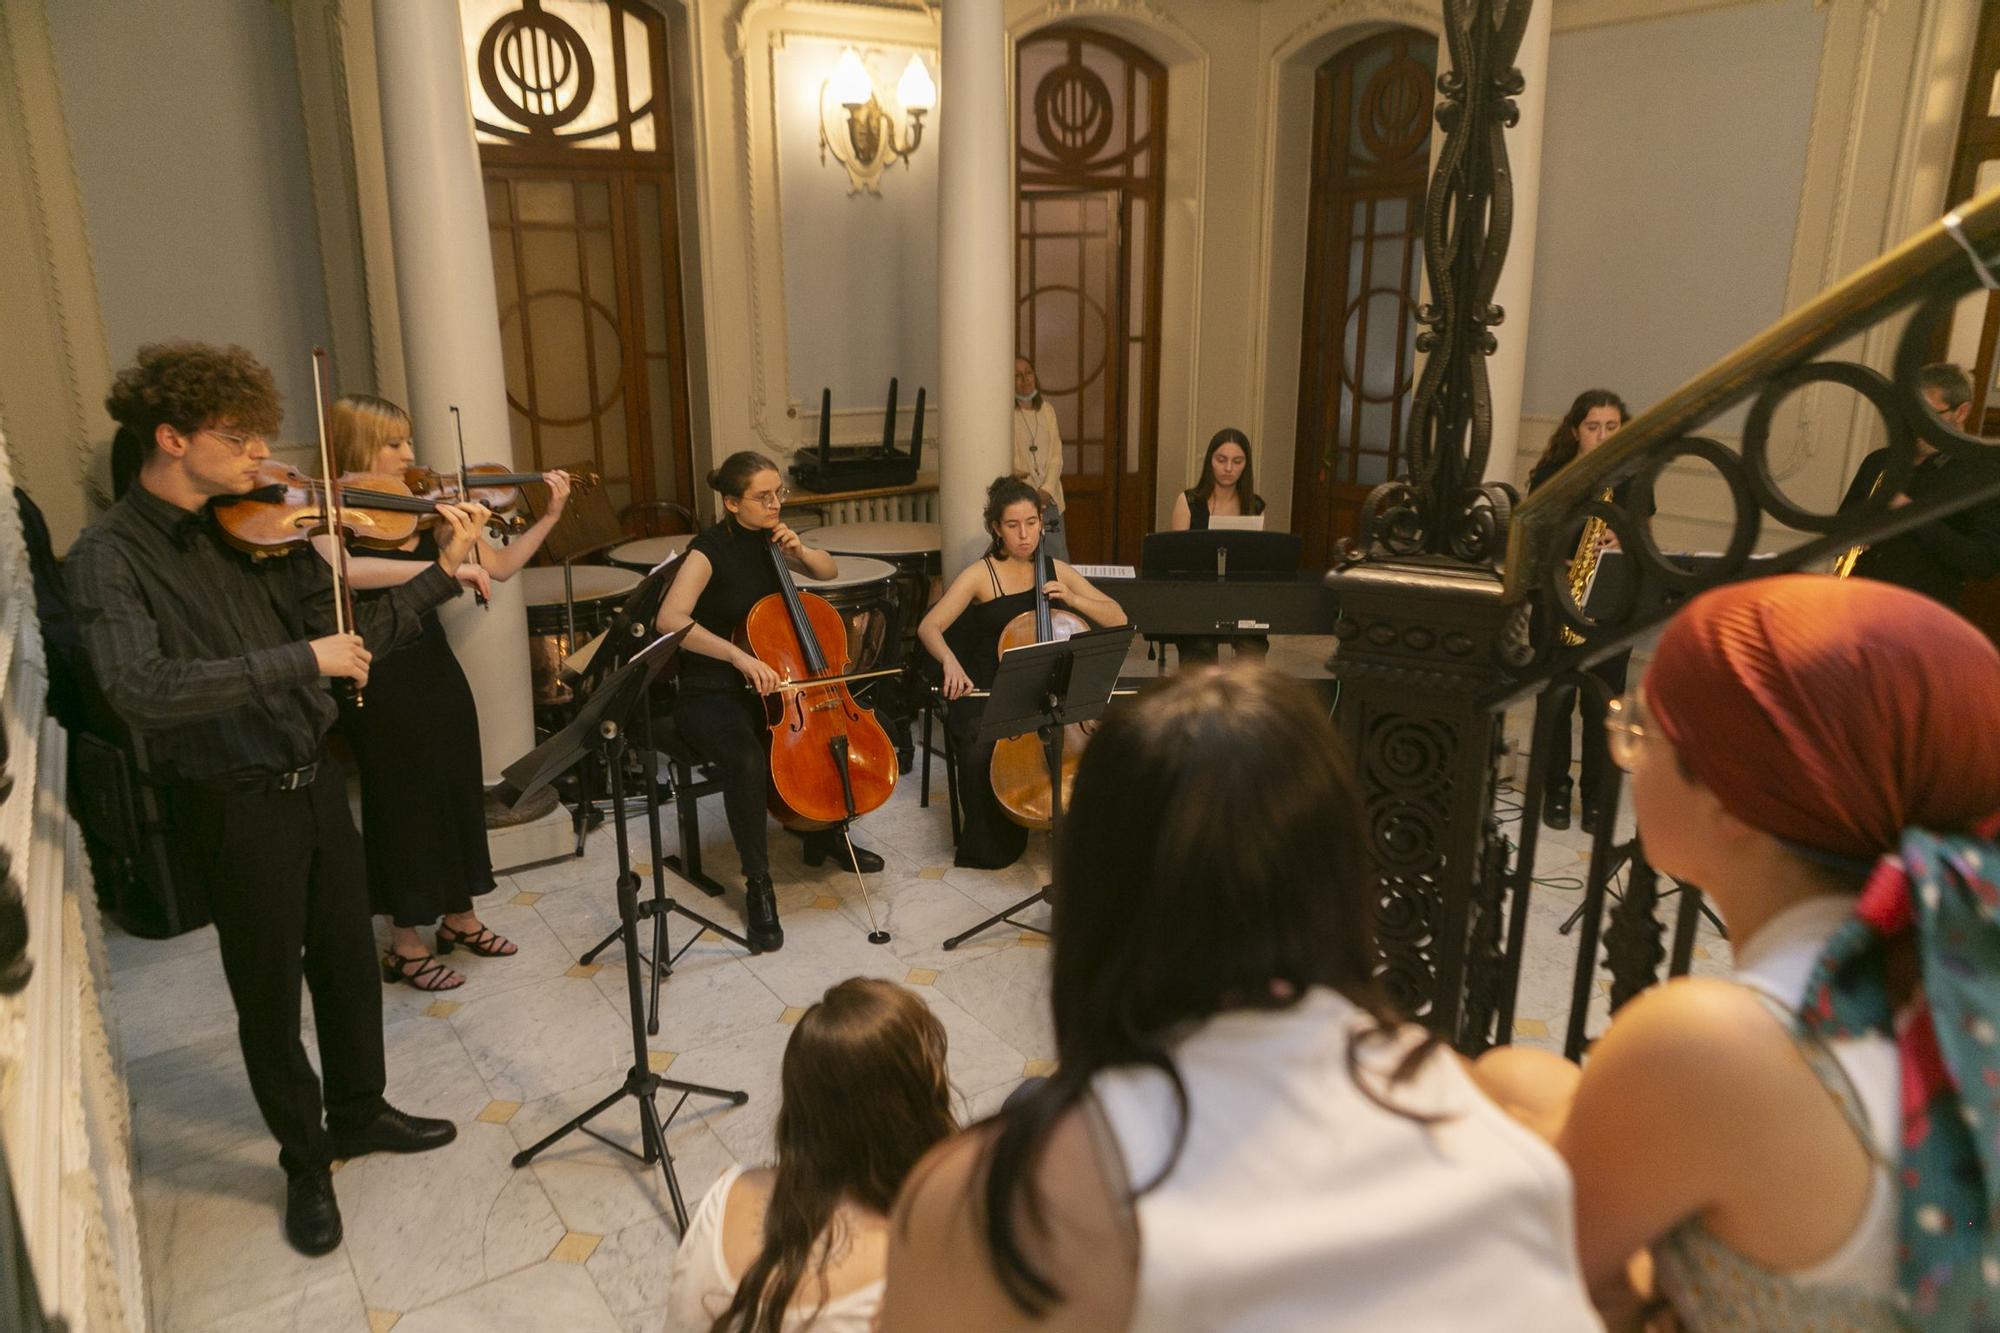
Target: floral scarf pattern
pixel 1942 892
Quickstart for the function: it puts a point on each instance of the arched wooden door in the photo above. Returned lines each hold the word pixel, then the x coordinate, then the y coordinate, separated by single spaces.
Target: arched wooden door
pixel 1364 257
pixel 570 103
pixel 1091 132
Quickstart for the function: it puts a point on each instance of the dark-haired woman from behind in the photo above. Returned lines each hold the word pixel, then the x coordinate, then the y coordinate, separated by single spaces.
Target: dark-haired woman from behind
pixel 726 571
pixel 802 1245
pixel 1239 1134
pixel 963 633
pixel 1595 416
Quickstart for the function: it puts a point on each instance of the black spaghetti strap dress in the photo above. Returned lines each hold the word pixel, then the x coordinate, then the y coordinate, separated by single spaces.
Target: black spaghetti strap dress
pixel 988 837
pixel 423 790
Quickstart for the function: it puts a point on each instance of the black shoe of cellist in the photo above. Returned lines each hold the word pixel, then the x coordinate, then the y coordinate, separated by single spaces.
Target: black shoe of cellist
pixel 825 843
pixel 760 915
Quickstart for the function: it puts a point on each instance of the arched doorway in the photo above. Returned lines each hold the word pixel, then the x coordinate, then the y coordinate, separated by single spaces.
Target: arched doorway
pixel 571 107
pixel 1091 133
pixel 1372 107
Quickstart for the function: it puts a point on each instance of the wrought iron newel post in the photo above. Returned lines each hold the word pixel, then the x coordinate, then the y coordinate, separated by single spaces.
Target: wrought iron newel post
pixel 1426 637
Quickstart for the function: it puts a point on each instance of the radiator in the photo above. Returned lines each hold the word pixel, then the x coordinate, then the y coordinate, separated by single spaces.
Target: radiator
pixel 919 507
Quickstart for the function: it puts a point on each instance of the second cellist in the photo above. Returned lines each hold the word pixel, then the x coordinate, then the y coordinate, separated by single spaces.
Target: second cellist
pixel 963 633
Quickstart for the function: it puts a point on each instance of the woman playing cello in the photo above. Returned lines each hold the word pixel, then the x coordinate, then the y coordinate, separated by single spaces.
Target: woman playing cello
pixel 963 632
pixel 725 572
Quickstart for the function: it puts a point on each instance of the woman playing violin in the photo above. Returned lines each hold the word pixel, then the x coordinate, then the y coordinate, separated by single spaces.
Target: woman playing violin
pixel 725 572
pixel 423 814
pixel 963 633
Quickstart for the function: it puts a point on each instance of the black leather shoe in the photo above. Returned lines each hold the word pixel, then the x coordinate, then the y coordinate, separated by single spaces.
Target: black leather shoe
pixel 392 1131
pixel 820 846
pixel 1555 809
pixel 760 912
pixel 312 1214
pixel 1589 820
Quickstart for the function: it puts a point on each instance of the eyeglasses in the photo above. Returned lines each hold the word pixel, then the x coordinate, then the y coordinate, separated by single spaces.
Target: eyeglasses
pixel 770 499
pixel 237 441
pixel 1625 730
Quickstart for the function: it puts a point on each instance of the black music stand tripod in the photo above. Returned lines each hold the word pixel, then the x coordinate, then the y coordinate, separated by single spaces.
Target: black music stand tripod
pixel 625 635
pixel 599 733
pixel 1043 687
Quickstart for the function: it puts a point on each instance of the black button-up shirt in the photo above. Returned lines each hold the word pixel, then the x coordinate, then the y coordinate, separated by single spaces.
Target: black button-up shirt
pixel 206 649
pixel 1939 557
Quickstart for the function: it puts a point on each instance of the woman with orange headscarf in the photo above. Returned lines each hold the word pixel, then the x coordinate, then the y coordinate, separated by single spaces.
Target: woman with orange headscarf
pixel 1811 1142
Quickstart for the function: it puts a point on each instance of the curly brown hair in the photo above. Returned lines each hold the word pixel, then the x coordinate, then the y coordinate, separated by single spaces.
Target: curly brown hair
pixel 189 385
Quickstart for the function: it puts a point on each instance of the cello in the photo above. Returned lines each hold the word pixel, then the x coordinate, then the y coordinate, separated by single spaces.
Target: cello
pixel 831 762
pixel 1020 768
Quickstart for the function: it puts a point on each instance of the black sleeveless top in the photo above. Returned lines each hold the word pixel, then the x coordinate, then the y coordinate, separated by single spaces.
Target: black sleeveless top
pixel 1198 510
pixel 740 576
pixel 975 636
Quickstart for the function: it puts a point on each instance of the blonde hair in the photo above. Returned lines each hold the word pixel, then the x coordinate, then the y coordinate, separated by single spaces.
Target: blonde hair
pixel 362 425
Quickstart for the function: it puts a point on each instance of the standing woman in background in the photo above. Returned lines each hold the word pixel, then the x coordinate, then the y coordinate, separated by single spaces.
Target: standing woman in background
pixel 1595 416
pixel 1227 489
pixel 1038 457
pixel 423 804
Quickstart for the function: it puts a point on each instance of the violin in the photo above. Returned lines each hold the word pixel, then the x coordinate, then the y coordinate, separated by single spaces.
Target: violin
pixel 287 508
pixel 830 759
pixel 1020 768
pixel 494 485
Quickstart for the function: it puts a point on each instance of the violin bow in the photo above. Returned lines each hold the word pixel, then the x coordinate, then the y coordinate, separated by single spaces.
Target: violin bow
pixel 464 490
pixel 343 590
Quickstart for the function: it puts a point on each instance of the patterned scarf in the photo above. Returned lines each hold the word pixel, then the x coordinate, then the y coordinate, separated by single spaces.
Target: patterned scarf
pixel 1944 891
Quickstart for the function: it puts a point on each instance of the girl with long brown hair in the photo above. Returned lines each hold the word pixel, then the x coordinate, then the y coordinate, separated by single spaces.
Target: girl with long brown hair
pixel 802 1244
pixel 1239 1133
pixel 423 807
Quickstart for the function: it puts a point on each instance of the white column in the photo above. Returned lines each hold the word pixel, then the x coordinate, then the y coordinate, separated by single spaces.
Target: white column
pixel 1507 368
pixel 975 273
pixel 451 324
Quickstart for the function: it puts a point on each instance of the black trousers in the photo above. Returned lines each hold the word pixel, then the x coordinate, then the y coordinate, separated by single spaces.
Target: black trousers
pixel 727 729
pixel 988 837
pixel 288 892
pixel 1596 745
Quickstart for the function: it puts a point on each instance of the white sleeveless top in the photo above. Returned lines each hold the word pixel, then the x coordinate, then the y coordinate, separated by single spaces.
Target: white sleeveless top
pixel 702 1285
pixel 1298 1203
pixel 1778 961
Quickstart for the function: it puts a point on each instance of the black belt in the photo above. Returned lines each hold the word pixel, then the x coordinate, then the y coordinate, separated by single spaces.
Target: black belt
pixel 294 780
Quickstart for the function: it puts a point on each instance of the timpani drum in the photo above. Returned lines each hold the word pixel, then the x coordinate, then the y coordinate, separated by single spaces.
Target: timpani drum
pixel 597 590
pixel 646 554
pixel 864 592
pixel 915 549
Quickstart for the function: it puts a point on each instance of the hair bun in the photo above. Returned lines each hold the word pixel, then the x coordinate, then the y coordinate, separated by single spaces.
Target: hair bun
pixel 715 479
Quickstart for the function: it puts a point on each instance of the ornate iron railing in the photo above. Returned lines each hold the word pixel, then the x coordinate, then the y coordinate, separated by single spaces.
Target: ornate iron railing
pixel 1436 639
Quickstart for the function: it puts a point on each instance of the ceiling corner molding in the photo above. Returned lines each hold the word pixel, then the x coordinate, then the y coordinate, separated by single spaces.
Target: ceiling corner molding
pixel 1576 15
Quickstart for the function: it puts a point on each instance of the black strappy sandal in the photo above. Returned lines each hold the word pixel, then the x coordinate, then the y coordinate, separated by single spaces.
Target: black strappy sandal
pixel 424 974
pixel 483 942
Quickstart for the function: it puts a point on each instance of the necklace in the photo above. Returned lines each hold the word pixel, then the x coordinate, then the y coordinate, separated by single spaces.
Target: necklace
pixel 1038 469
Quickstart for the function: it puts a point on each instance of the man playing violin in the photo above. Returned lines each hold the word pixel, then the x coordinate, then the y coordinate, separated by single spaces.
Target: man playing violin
pixel 222 662
pixel 725 572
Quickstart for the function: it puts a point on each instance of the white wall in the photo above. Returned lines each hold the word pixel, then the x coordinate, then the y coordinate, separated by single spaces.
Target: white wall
pixel 1672 163
pixel 860 269
pixel 190 152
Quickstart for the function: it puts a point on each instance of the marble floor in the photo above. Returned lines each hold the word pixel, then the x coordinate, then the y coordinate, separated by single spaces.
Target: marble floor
pixel 582 1239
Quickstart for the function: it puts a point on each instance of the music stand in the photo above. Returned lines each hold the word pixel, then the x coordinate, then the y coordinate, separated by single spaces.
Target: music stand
pixel 1043 687
pixel 1221 554
pixel 599 732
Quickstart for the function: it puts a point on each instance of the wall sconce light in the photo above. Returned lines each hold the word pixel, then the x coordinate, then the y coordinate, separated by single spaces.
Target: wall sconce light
pixel 859 133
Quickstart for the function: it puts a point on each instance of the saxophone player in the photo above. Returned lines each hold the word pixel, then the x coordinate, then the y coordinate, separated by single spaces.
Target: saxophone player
pixel 1940 558
pixel 1595 416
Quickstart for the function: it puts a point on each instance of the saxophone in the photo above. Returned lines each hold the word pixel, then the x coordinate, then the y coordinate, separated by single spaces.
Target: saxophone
pixel 1852 555
pixel 1583 566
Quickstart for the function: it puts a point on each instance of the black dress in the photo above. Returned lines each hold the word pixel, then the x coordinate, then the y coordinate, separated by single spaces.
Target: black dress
pixel 423 791
pixel 713 711
pixel 988 837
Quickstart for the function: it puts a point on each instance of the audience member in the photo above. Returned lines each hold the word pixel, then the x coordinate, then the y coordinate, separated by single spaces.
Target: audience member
pixel 1809 1143
pixel 1238 1134
pixel 801 1245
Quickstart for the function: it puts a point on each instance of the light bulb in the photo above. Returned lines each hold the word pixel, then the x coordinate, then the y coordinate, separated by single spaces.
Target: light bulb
pixel 851 84
pixel 916 90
